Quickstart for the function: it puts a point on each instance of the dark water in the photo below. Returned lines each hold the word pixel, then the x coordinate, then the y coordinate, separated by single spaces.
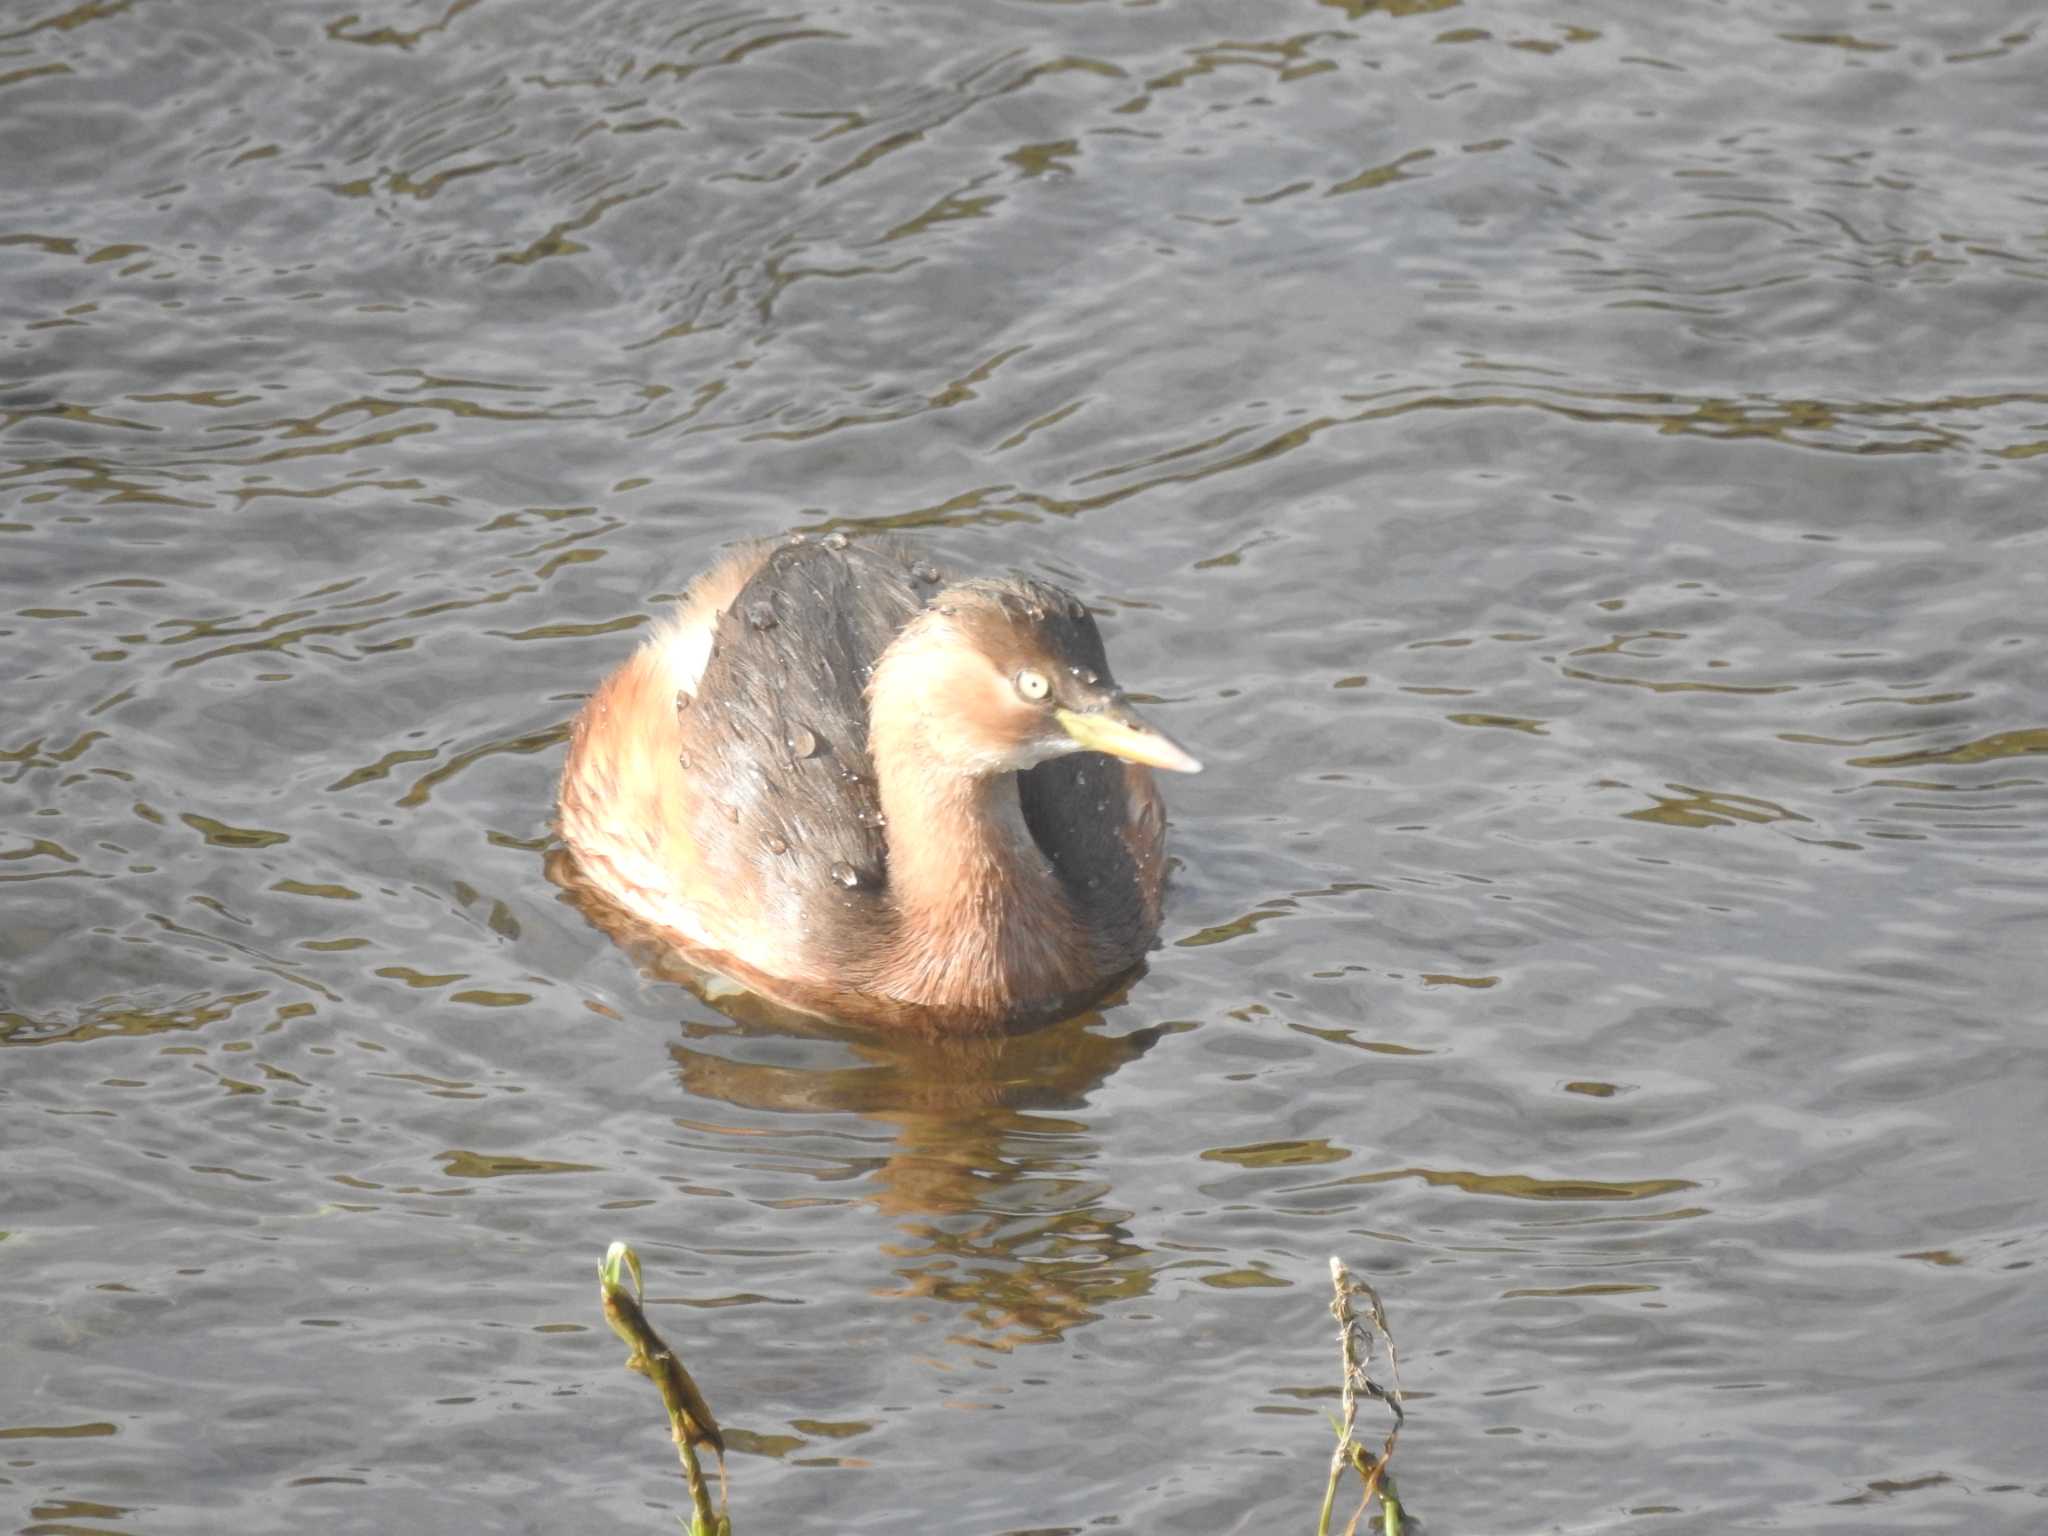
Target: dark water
pixel 1571 470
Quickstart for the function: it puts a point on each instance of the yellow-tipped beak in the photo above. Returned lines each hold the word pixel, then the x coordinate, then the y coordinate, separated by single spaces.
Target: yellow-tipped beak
pixel 1120 733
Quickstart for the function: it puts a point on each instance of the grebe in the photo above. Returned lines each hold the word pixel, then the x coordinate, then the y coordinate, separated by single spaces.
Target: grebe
pixel 876 791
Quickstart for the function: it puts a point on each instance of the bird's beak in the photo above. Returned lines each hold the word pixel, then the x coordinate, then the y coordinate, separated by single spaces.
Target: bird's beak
pixel 1117 730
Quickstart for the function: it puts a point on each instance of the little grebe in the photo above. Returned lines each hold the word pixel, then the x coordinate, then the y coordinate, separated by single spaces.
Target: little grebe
pixel 882 792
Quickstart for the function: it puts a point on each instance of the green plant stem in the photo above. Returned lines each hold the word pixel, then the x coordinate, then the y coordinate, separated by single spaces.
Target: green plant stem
pixel 1330 1492
pixel 1390 1506
pixel 689 1416
pixel 704 1520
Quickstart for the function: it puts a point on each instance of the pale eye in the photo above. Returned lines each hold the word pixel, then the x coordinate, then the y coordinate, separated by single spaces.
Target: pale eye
pixel 1033 686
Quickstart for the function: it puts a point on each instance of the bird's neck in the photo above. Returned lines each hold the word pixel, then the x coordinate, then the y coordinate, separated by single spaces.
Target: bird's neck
pixel 981 920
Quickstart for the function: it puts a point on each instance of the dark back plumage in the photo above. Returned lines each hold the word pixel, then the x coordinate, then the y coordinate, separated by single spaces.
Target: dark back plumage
pixel 1077 809
pixel 779 733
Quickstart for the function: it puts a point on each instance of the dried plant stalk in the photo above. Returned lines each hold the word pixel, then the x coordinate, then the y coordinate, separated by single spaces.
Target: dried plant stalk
pixel 1358 1343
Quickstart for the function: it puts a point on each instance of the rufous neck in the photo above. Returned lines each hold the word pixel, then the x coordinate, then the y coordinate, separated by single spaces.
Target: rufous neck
pixel 981 919
pixel 958 846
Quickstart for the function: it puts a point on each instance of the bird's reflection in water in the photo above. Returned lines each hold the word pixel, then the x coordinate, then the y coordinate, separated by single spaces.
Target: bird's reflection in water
pixel 998 1199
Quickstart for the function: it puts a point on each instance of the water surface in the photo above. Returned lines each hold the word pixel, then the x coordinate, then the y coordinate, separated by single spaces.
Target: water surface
pixel 1570 471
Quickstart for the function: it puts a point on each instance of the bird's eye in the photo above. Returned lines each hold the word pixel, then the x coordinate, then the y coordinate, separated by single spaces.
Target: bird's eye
pixel 1033 686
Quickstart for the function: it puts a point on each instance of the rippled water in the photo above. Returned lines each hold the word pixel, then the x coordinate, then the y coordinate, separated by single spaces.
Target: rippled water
pixel 1569 469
